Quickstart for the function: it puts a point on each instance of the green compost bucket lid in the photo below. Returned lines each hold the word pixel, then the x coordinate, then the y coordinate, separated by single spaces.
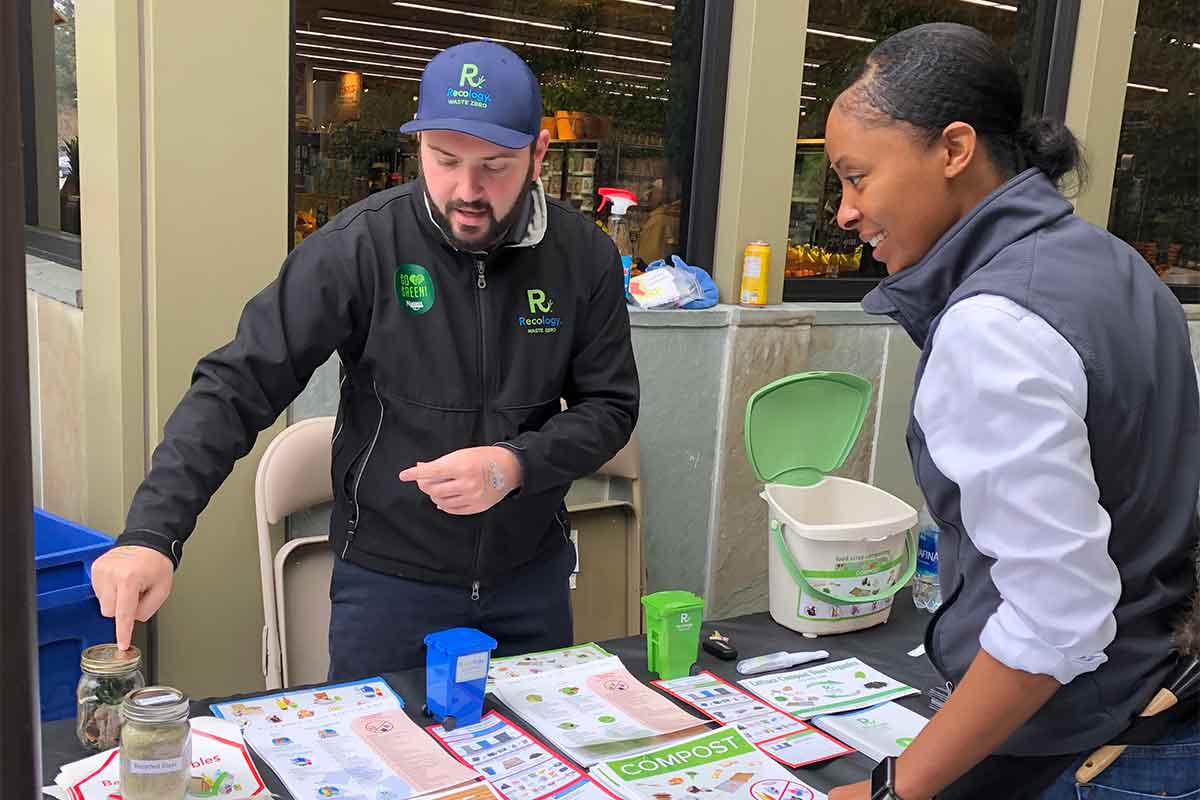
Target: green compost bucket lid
pixel 801 428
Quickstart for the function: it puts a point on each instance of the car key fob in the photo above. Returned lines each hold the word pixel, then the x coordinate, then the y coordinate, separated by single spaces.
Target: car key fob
pixel 720 647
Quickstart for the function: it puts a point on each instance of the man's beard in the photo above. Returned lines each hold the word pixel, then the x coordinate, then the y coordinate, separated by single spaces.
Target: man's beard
pixel 492 230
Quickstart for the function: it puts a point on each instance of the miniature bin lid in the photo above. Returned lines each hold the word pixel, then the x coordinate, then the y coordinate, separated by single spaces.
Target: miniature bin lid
pixel 460 641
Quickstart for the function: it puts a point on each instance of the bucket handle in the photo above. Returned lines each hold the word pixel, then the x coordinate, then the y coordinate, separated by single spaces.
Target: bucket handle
pixel 910 549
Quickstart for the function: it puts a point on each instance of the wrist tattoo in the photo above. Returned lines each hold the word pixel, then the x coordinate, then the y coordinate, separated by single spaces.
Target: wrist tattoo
pixel 495 477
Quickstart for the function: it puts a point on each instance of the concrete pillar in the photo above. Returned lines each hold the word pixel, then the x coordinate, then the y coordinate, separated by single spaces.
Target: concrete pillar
pixel 766 62
pixel 1095 105
pixel 184 108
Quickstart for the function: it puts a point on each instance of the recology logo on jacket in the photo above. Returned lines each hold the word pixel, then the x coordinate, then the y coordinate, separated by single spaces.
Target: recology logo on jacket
pixel 539 319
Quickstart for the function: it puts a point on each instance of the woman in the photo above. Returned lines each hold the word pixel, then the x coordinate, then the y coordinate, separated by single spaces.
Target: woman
pixel 1054 429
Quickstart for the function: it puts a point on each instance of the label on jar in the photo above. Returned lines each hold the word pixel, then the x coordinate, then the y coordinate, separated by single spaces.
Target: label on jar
pixel 161 766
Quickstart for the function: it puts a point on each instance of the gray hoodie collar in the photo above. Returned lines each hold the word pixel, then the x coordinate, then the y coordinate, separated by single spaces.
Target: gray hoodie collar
pixel 527 231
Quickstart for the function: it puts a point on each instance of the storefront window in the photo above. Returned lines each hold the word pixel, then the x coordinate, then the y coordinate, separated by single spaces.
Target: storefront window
pixel 1156 190
pixel 619 86
pixel 823 261
pixel 50 124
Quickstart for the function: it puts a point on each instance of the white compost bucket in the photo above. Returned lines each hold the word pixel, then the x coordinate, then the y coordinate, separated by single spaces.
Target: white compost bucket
pixel 839 551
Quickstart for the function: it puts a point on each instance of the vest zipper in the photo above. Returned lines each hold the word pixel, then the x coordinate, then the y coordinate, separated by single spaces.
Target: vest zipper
pixel 930 650
pixel 352 524
pixel 481 285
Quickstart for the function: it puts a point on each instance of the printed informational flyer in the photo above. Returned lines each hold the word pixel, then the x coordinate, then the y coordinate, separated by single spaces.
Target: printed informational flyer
pixel 828 688
pixel 356 743
pixel 785 738
pixel 480 790
pixel 221 767
pixel 537 663
pixel 269 711
pixel 595 710
pixel 879 732
pixel 721 762
pixel 518 766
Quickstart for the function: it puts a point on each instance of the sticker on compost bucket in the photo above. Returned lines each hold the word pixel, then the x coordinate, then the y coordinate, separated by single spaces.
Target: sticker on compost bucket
pixel 859 575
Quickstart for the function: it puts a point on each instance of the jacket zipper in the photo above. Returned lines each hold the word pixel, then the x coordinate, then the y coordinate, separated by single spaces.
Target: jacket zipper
pixel 560 517
pixel 480 285
pixel 352 524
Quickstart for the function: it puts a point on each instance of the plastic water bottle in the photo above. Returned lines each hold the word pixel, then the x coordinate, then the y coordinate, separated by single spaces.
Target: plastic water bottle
pixel 927 593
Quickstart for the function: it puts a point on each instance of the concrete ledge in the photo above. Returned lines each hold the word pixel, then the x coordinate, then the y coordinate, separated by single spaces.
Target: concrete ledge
pixel 56 281
pixel 784 314
pixel 718 316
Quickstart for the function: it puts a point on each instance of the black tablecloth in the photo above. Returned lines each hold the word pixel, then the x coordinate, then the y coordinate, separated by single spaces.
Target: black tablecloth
pixel 884 647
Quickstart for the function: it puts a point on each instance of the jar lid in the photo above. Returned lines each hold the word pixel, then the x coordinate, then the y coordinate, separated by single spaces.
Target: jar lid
pixel 108 659
pixel 155 704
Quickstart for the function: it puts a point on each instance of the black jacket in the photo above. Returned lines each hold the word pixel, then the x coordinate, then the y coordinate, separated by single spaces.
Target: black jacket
pixel 441 350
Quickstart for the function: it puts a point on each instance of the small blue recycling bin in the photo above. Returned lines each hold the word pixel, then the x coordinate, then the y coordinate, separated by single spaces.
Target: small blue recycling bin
pixel 456 670
pixel 68 613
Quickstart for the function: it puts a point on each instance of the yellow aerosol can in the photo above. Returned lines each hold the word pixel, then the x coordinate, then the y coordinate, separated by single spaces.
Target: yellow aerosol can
pixel 756 271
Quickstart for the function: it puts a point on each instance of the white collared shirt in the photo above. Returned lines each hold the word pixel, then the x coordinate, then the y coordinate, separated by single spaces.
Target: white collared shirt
pixel 1002 404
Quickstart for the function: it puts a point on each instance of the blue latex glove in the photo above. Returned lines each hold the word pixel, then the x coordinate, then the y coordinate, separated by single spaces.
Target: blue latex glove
pixel 709 295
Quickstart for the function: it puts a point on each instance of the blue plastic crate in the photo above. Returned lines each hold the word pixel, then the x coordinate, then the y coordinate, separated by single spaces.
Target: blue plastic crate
pixel 69 618
pixel 64 553
pixel 63 634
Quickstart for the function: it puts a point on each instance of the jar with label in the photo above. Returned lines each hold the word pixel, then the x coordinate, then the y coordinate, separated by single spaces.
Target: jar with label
pixel 107 675
pixel 156 745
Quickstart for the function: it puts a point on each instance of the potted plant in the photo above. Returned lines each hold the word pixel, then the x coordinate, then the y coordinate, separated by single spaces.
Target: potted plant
pixel 68 195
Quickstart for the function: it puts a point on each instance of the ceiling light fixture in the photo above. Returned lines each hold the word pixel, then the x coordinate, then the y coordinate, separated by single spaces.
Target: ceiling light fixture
pixel 520 21
pixel 667 6
pixel 836 35
pixel 368 40
pixel 361 52
pixel 474 37
pixel 359 61
pixel 370 74
pixel 631 74
pixel 991 4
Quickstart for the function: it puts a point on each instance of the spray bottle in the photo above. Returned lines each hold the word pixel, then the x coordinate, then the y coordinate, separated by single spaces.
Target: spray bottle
pixel 618 226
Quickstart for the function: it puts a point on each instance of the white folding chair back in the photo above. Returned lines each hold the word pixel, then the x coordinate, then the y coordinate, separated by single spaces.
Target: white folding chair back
pixel 294 474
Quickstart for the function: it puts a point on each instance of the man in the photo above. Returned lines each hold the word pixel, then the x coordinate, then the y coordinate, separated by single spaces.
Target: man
pixel 463 307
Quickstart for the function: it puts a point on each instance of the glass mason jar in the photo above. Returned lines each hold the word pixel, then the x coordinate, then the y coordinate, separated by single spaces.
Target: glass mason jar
pixel 108 674
pixel 156 745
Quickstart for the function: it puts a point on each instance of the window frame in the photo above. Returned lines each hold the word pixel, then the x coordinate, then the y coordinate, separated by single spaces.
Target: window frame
pixel 40 241
pixel 697 229
pixel 1055 24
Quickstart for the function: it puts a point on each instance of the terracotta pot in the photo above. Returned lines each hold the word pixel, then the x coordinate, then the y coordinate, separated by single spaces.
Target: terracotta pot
pixel 595 126
pixel 548 125
pixel 570 124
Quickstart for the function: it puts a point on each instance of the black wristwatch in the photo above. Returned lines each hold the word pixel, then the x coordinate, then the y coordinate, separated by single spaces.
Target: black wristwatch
pixel 883 780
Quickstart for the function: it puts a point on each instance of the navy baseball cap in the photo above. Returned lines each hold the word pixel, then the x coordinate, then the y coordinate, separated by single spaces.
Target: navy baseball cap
pixel 483 90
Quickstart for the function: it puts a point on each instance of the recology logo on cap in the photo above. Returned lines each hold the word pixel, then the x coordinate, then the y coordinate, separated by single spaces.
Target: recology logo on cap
pixel 483 90
pixel 469 91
